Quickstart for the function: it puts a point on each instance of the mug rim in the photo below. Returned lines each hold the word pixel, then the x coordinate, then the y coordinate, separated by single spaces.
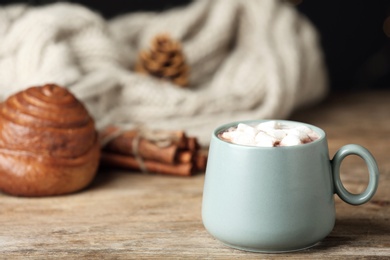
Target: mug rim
pixel 219 129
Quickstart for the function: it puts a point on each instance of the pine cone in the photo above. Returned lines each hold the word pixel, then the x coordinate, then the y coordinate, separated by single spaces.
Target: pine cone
pixel 165 60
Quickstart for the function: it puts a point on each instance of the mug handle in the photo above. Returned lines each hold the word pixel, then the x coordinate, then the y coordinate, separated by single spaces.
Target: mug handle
pixel 344 194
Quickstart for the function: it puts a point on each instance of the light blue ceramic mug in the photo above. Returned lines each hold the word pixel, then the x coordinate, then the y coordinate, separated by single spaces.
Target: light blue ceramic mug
pixel 276 199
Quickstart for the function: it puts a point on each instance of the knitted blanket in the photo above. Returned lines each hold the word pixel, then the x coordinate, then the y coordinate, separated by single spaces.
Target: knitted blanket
pixel 249 59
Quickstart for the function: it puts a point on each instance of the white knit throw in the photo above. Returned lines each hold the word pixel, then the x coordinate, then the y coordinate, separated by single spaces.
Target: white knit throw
pixel 249 59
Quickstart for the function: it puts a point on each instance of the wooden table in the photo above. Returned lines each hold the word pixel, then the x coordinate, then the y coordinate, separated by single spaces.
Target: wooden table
pixel 132 216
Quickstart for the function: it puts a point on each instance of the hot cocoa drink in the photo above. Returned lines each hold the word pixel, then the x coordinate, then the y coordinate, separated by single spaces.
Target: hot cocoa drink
pixel 269 134
pixel 277 193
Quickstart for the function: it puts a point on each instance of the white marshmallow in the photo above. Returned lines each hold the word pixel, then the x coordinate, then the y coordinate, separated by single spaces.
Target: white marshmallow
pixel 278 134
pixel 290 140
pixel 263 139
pixel 270 133
pixel 313 136
pixel 228 135
pixel 268 125
pixel 243 139
pixel 299 134
pixel 265 143
pixel 242 127
pixel 310 133
pixel 250 131
pixel 303 128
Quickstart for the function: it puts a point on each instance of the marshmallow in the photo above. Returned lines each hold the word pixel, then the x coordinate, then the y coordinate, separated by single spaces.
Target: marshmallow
pixel 278 134
pixel 301 135
pixel 242 127
pixel 290 140
pixel 243 139
pixel 269 134
pixel 303 128
pixel 313 136
pixel 229 135
pixel 263 139
pixel 250 131
pixel 268 126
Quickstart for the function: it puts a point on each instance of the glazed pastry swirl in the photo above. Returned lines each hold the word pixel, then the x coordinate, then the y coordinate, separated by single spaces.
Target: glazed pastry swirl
pixel 51 138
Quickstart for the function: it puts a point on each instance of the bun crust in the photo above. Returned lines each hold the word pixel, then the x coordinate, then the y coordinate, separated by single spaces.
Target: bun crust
pixel 48 143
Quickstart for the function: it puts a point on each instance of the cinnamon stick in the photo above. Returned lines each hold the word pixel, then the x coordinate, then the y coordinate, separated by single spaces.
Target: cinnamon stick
pixel 126 161
pixel 180 155
pixel 192 144
pixel 185 157
pixel 201 161
pixel 123 144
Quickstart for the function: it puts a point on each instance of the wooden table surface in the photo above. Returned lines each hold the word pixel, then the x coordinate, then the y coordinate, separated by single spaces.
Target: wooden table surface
pixel 132 216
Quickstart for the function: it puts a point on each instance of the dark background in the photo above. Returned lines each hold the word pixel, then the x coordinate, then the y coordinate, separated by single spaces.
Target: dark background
pixel 357 49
